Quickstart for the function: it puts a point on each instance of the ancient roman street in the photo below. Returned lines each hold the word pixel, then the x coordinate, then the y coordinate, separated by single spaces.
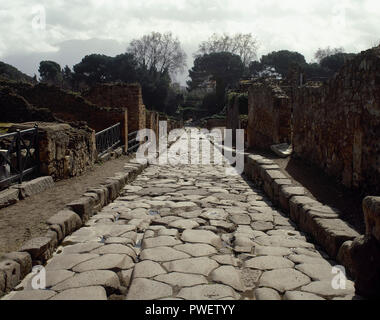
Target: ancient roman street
pixel 188 232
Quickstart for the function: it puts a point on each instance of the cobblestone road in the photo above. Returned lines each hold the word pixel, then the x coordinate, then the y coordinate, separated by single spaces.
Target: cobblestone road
pixel 188 232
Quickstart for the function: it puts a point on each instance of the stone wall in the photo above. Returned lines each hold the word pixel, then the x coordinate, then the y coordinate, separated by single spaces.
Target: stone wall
pixel 336 126
pixel 64 151
pixel 121 96
pixel 269 115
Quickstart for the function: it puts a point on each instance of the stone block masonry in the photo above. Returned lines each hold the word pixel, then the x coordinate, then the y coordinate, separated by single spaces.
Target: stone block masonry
pixel 269 115
pixel 336 126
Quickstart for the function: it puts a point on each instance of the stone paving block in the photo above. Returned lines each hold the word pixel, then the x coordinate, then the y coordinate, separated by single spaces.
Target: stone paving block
pixel 326 290
pixel 286 192
pixel 208 292
pixel 295 206
pixel 181 279
pixel 196 249
pixel 268 263
pixel 68 261
pixel 202 236
pixel 38 247
pixel 68 220
pixel 145 289
pixel 8 197
pixel 266 294
pixel 162 254
pixel 85 293
pixel 228 275
pixel 30 295
pixel 23 259
pixel 299 295
pixel 284 279
pixel 147 269
pixel 35 186
pixel 111 261
pixel 202 266
pixel 83 207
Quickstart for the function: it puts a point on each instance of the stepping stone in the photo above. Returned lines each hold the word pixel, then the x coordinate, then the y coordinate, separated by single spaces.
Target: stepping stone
pixel 68 261
pixel 272 251
pixel 299 295
pixel 208 292
pixel 161 241
pixel 201 266
pixel 145 289
pixel 268 263
pixel 228 275
pixel 197 249
pixel 106 262
pixel 325 289
pixel 184 224
pixel 147 269
pixel 162 254
pixel 202 236
pixel 86 293
pixel 181 279
pixel 283 279
pixel 266 294
pixel 104 278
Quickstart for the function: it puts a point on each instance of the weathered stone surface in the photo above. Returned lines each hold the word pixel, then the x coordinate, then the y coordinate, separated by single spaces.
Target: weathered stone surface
pixel 162 254
pixel 68 261
pixel 299 295
pixel 30 295
pixel 243 219
pixel 262 226
pixel 160 241
pixel 104 278
pixel 316 271
pixel 184 224
pixel 83 207
pixel 11 270
pixel 286 192
pixel 147 269
pixel 283 279
pixel 226 259
pixel 35 186
pixel 272 251
pixel 371 210
pixel 82 247
pixel 181 279
pixel 202 266
pixel 37 247
pixel 201 236
pixel 145 289
pixel 86 293
pixel 196 249
pixel 68 220
pixel 296 203
pixel 266 294
pixel 8 197
pixel 106 262
pixel 228 275
pixel 125 277
pixel 303 258
pixel 282 241
pixel 116 249
pixel 23 259
pixel 207 292
pixel 268 263
pixel 325 289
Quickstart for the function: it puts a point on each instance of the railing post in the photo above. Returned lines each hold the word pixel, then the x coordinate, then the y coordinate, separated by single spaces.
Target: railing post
pixel 18 153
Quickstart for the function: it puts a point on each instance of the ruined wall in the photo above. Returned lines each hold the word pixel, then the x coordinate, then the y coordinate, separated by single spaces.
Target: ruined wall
pixel 337 126
pixel 124 96
pixel 64 151
pixel 269 114
pixel 67 106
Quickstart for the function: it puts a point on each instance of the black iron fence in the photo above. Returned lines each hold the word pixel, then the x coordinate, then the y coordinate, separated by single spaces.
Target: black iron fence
pixel 19 155
pixel 133 144
pixel 108 139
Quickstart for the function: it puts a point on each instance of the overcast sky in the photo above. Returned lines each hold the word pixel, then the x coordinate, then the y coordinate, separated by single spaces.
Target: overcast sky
pixel 75 28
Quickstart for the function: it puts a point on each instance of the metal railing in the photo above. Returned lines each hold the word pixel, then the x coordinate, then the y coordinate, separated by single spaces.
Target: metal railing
pixel 19 155
pixel 108 139
pixel 133 144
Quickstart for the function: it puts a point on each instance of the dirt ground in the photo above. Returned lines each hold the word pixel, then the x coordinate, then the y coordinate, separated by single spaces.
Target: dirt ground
pixel 323 188
pixel 26 219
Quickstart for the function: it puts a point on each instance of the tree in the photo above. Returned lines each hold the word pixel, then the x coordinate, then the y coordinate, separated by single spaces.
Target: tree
pixel 68 77
pixel 336 61
pixel 282 61
pixel 320 54
pixel 244 45
pixel 94 68
pixel 50 72
pixel 224 68
pixel 160 52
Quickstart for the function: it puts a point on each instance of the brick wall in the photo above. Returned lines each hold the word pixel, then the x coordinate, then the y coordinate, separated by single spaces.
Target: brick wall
pixel 336 126
pixel 269 114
